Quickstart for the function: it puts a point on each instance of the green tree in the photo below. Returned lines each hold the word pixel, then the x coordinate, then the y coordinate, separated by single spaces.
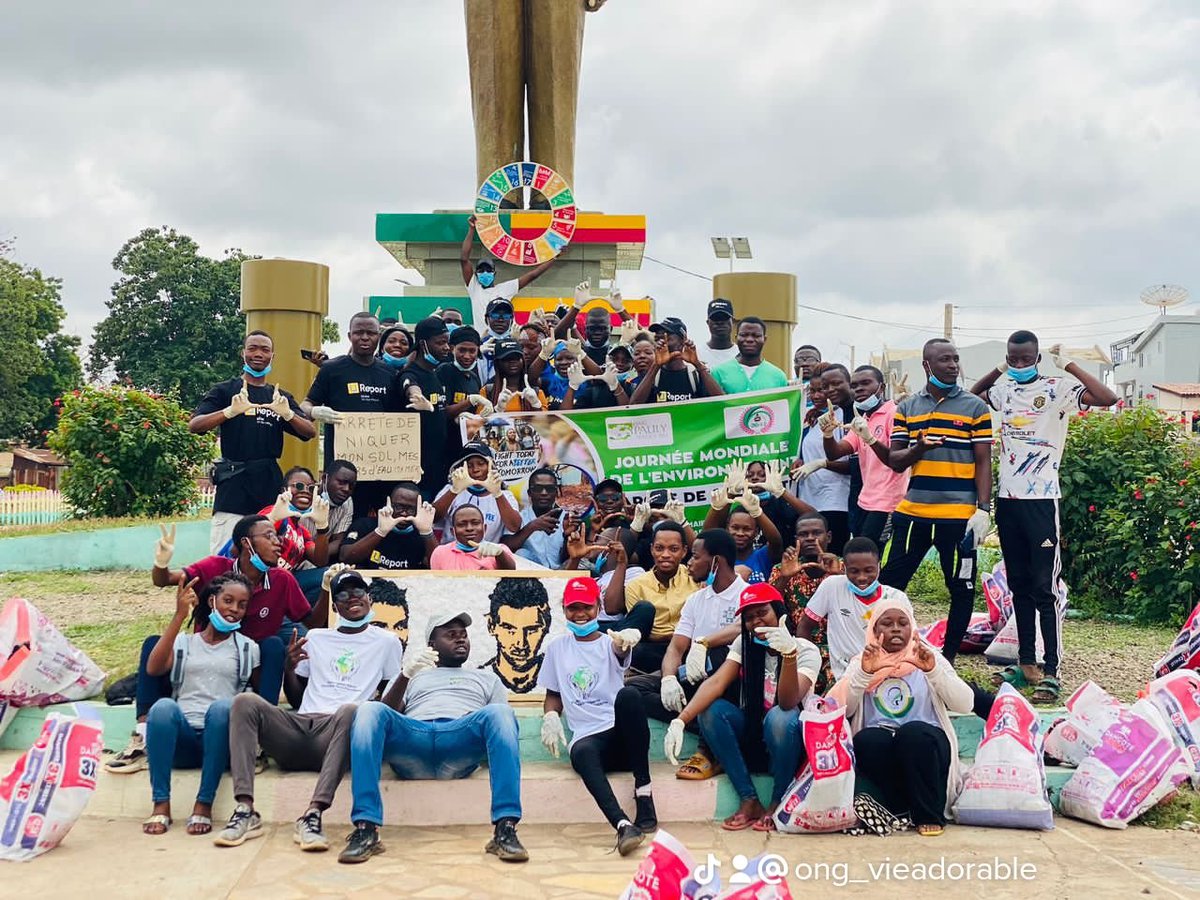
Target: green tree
pixel 39 362
pixel 129 453
pixel 330 333
pixel 174 322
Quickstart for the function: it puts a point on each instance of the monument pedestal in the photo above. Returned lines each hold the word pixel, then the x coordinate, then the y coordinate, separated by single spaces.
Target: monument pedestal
pixel 772 297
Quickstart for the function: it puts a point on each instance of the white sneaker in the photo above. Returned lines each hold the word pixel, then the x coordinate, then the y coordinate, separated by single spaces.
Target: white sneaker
pixel 131 759
pixel 308 833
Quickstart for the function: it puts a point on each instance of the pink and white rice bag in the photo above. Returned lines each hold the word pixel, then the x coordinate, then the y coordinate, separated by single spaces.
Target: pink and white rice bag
pixel 1090 711
pixel 1177 696
pixel 662 871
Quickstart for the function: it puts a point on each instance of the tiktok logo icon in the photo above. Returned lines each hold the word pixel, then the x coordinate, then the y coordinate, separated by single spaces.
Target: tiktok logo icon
pixel 708 872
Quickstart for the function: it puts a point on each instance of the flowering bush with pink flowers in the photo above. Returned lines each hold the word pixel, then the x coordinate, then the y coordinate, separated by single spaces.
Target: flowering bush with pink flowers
pixel 1131 515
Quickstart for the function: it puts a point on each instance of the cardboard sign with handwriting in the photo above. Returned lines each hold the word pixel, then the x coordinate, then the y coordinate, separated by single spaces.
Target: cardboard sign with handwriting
pixel 384 446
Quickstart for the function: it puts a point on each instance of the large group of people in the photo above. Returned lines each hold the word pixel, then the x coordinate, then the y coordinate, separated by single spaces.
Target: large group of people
pixel 794 587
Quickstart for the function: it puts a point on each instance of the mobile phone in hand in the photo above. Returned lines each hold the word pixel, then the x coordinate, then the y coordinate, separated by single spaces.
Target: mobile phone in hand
pixel 307 354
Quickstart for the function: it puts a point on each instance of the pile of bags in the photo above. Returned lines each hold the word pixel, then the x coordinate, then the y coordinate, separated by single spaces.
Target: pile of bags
pixel 1185 651
pixel 1128 759
pixel 669 872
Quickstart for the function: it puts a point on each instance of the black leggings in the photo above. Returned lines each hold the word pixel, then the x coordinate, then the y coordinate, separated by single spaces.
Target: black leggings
pixel 905 769
pixel 623 748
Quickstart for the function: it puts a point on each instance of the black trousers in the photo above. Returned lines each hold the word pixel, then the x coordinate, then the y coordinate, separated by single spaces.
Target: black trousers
pixel 911 540
pixel 623 748
pixel 871 524
pixel 640 617
pixel 1029 541
pixel 905 769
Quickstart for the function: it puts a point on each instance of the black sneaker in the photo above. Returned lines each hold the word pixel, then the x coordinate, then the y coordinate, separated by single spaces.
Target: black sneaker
pixel 646 819
pixel 505 844
pixel 629 838
pixel 362 843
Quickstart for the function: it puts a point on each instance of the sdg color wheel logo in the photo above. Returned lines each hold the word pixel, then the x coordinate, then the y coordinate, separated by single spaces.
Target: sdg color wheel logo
pixel 516 177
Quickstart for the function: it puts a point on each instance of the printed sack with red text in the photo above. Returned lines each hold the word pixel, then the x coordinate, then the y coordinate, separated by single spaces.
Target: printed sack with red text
pixel 997 595
pixel 662 871
pixel 1135 766
pixel 38 666
pixel 1090 711
pixel 47 790
pixel 1003 650
pixel 1177 696
pixel 1006 785
pixel 821 799
pixel 980 633
pixel 1185 649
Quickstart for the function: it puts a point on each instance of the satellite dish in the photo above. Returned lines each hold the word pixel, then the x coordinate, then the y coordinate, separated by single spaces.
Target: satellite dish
pixel 1164 296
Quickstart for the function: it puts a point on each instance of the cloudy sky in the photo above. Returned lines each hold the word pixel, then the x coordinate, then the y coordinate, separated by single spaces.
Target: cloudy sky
pixel 1033 162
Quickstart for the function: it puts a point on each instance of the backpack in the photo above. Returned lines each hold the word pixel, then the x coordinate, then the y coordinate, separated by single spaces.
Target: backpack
pixel 693 377
pixel 180 653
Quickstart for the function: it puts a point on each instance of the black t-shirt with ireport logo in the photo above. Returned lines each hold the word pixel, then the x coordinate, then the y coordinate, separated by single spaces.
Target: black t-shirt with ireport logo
pixel 348 386
pixel 671 386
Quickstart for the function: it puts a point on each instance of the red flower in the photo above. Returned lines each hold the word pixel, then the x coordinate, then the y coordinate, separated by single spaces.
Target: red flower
pixel 1092 508
pixel 145 424
pixel 1138 495
pixel 1134 575
pixel 1183 482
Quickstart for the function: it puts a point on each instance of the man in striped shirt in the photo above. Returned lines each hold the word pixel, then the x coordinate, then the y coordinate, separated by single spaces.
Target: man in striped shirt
pixel 944 435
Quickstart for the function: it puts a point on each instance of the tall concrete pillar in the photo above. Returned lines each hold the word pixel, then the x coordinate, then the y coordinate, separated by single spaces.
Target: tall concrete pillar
pixel 772 297
pixel 288 299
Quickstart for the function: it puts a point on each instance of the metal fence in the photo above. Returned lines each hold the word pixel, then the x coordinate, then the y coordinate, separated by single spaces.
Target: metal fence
pixel 48 507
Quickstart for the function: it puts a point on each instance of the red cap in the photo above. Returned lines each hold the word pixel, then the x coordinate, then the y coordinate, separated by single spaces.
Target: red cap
pixel 756 594
pixel 581 590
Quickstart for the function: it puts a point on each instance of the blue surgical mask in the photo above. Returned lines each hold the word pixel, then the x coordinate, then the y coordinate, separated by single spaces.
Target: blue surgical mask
pixel 296 512
pixel 450 326
pixel 407 529
pixel 463 368
pixel 584 630
pixel 255 373
pixel 256 561
pixel 477 489
pixel 367 618
pixel 486 279
pixel 762 495
pixel 760 641
pixel 866 406
pixel 222 625
pixel 938 383
pixel 712 576
pixel 465 548
pixel 396 362
pixel 864 592
pixel 1024 374
pixel 598 565
pixel 432 360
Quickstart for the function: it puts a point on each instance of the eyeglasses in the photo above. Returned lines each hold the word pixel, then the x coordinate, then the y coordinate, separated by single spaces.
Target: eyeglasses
pixel 300 487
pixel 342 596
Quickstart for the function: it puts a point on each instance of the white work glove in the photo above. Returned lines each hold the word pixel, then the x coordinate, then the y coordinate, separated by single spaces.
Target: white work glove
pixel 575 376
pixel 1059 358
pixel 489 548
pixel 641 515
pixel 694 663
pixel 547 351
pixel 1003 367
pixel 828 422
pixel 627 331
pixel 575 348
pixel 803 471
pixel 460 479
pixel 862 428
pixel 625 639
pixel 583 293
pixel 779 640
pixel 419 402
pixel 164 548
pixel 239 403
pixel 423 520
pixel 493 482
pixel 488 347
pixel 552 733
pixel 282 508
pixel 674 511
pixel 671 693
pixel 719 498
pixel 319 513
pixel 503 398
pixel 386 520
pixel 979 524
pixel 280 406
pixel 326 415
pixel 616 301
pixel 750 502
pixel 609 377
pixel 327 578
pixel 536 316
pixel 414 664
pixel 673 742
pixel 773 484
pixel 530 395
pixel 483 406
pixel 735 478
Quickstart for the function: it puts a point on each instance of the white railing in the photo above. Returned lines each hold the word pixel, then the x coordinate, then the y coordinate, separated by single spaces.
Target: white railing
pixel 48 507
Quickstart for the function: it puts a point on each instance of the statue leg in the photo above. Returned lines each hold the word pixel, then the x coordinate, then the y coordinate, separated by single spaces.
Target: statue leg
pixel 495 52
pixel 553 48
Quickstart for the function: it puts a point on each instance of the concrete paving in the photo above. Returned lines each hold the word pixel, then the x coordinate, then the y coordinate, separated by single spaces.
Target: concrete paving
pixel 110 857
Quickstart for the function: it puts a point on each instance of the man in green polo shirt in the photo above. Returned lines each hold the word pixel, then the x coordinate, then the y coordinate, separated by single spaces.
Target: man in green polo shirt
pixel 748 371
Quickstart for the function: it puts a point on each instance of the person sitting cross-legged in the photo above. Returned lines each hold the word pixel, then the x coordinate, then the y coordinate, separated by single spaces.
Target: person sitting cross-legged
pixel 328 674
pixel 437 721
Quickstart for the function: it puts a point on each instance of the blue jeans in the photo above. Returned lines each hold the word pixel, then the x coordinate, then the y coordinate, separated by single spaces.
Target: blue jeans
pixel 172 743
pixel 152 688
pixel 723 726
pixel 310 582
pixel 441 749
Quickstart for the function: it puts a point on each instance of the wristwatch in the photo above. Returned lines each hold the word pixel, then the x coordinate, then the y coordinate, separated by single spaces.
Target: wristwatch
pixel 986 507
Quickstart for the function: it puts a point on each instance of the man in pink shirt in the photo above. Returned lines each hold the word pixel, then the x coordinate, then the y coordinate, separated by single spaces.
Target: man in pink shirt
pixel 870 437
pixel 468 552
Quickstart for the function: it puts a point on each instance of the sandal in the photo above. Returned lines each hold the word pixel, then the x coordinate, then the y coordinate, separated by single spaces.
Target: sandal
pixel 199 824
pixel 766 823
pixel 152 824
pixel 1047 692
pixel 698 767
pixel 931 830
pixel 739 822
pixel 1009 675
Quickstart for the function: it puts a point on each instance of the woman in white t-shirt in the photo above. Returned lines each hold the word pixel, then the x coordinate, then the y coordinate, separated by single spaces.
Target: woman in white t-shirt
pixel 474 481
pixel 208 668
pixel 898 695
pixel 823 484
pixel 583 674
pixel 774 671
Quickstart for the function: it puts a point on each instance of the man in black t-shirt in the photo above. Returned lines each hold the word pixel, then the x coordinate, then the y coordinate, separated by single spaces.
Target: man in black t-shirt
pixel 462 386
pixel 421 391
pixel 400 537
pixel 677 372
pixel 251 417
pixel 356 382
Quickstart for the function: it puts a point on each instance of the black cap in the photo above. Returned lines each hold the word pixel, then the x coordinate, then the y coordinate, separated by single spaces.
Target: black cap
pixel 473 448
pixel 429 327
pixel 485 265
pixel 610 482
pixel 496 303
pixel 670 325
pixel 463 334
pixel 624 348
pixel 720 307
pixel 345 578
pixel 507 347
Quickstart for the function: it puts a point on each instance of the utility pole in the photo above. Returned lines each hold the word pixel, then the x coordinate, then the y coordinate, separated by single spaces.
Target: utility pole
pixel 948 322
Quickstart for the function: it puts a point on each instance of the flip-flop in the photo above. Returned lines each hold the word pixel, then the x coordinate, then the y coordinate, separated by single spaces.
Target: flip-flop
pixel 1048 691
pixel 1009 675
pixel 931 830
pixel 157 819
pixel 738 822
pixel 701 768
pixel 204 821
pixel 766 823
